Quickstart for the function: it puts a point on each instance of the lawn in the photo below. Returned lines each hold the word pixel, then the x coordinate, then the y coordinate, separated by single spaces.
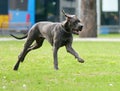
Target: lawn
pixel 100 72
pixel 115 35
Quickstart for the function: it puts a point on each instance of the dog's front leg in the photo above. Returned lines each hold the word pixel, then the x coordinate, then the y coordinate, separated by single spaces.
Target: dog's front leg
pixel 73 52
pixel 55 50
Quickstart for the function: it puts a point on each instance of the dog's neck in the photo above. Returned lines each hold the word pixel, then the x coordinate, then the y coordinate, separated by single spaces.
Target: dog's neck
pixel 65 25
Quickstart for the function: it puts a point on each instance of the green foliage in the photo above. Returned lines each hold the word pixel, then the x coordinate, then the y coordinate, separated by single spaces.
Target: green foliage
pixel 100 72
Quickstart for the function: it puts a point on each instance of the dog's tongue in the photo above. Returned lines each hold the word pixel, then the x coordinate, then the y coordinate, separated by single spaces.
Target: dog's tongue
pixel 75 32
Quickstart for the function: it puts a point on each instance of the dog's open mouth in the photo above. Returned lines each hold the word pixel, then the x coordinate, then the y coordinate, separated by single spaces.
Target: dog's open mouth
pixel 76 31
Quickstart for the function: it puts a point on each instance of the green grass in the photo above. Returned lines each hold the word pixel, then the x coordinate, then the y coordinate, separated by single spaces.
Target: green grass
pixel 100 72
pixel 112 35
pixel 117 35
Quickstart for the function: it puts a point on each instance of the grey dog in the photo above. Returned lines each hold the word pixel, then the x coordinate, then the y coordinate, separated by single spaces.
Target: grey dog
pixel 57 34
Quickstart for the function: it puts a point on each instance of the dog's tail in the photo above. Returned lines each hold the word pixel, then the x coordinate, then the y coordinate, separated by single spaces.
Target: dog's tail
pixel 25 36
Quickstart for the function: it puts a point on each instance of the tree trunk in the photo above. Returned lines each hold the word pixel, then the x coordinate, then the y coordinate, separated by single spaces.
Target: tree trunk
pixel 89 18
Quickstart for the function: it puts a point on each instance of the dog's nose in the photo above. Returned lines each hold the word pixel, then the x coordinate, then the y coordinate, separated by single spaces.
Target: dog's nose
pixel 80 27
pixel 81 24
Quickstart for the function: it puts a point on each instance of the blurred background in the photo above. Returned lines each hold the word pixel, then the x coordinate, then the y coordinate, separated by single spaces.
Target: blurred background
pixel 20 15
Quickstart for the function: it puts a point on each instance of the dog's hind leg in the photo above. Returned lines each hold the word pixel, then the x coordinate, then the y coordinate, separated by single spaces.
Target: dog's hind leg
pixel 38 44
pixel 28 48
pixel 23 53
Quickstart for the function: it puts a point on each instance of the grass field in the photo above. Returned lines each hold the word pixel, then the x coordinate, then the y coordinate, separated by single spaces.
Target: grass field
pixel 117 35
pixel 100 72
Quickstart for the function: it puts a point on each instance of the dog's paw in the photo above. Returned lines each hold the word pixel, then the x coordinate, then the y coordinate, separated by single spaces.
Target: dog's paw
pixel 81 60
pixel 15 68
pixel 56 68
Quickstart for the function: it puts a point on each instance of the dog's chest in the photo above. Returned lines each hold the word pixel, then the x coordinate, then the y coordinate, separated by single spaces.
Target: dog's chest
pixel 65 39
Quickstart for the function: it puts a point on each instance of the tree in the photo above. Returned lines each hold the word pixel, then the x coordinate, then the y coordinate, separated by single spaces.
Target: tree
pixel 89 18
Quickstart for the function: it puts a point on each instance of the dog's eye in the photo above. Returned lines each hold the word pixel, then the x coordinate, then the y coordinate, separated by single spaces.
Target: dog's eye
pixel 77 21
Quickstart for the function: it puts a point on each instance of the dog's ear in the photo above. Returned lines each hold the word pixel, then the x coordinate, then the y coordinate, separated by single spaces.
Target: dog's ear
pixel 66 15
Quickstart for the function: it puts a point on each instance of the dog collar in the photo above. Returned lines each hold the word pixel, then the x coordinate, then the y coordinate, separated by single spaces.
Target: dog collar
pixel 64 29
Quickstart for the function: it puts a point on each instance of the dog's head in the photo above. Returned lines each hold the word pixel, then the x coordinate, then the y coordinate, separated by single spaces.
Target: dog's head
pixel 73 21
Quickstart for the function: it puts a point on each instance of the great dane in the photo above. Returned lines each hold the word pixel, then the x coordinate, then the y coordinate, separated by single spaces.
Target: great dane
pixel 57 34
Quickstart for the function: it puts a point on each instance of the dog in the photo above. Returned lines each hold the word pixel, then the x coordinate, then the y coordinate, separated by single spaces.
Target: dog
pixel 58 35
